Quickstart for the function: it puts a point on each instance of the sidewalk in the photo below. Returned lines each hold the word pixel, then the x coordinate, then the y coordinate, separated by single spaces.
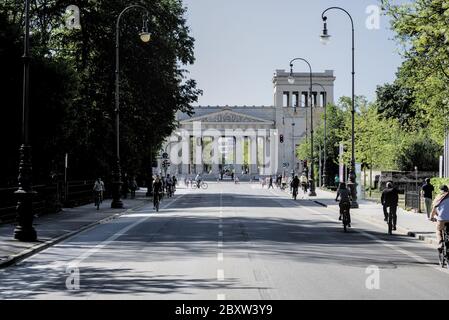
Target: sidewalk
pixel 409 223
pixel 54 228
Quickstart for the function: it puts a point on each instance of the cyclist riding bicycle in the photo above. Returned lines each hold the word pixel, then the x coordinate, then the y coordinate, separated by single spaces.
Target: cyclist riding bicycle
pixel 295 186
pixel 345 201
pixel 157 190
pixel 175 183
pixel 198 180
pixel 98 192
pixel 169 186
pixel 440 214
pixel 304 182
pixel 390 200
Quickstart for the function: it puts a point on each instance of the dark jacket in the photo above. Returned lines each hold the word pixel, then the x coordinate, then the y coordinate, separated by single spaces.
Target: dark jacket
pixel 157 187
pixel 344 195
pixel 295 183
pixel 390 197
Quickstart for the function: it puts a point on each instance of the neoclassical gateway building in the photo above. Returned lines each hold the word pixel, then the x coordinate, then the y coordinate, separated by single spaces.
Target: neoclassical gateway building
pixel 250 140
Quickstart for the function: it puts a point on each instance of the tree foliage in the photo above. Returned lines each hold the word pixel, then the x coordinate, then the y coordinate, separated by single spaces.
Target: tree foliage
pixel 422 30
pixel 72 81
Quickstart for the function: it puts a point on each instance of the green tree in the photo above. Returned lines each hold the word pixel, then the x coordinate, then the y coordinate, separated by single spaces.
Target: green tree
pixel 396 102
pixel 419 151
pixel 73 81
pixel 422 30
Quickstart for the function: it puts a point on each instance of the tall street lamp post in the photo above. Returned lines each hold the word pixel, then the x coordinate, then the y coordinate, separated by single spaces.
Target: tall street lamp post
pixel 291 80
pixel 293 151
pixel 324 175
pixel 24 230
pixel 325 37
pixel 145 36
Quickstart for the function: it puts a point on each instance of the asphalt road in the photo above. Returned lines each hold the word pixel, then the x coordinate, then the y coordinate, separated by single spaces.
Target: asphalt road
pixel 231 242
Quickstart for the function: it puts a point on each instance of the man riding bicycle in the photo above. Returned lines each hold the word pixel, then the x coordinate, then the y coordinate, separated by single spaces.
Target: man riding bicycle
pixel 198 180
pixel 98 192
pixel 440 214
pixel 169 186
pixel 345 201
pixel 304 182
pixel 390 200
pixel 157 190
pixel 295 186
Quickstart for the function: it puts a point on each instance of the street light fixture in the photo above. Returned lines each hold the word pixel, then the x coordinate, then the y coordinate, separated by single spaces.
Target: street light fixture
pixel 24 230
pixel 145 37
pixel 312 192
pixel 291 79
pixel 325 37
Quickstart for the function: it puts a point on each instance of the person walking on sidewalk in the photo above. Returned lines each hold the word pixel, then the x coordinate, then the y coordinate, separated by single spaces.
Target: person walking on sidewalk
pixel 390 200
pixel 133 187
pixel 427 192
pixel 270 186
pixel 440 214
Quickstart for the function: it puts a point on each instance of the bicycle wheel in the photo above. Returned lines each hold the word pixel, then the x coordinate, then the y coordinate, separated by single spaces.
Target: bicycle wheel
pixel 204 186
pixel 390 223
pixel 441 258
pixel 345 221
pixel 97 202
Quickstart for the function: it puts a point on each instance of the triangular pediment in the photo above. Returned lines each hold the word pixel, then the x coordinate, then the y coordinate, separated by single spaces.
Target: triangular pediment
pixel 227 116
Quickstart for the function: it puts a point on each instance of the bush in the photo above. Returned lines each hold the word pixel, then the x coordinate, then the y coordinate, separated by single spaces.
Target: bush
pixel 419 151
pixel 438 182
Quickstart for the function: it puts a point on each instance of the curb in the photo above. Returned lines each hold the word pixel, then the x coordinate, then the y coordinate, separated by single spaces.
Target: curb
pixel 427 239
pixel 12 260
pixel 421 237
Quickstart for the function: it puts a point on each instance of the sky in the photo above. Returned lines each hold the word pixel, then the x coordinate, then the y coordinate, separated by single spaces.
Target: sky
pixel 240 43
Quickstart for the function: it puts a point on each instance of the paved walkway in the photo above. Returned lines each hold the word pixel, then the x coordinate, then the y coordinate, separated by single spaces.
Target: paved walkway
pixel 54 228
pixel 409 223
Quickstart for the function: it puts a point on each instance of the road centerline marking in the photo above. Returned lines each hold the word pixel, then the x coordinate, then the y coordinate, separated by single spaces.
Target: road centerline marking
pixel 220 275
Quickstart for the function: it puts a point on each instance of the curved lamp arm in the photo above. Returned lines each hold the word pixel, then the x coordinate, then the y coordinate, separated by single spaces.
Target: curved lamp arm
pixel 323 15
pixel 310 69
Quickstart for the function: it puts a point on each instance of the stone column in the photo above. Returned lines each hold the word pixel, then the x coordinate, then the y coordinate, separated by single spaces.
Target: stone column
pixel 267 155
pixel 239 155
pixel 185 154
pixel 274 152
pixel 253 157
pixel 216 156
pixel 199 155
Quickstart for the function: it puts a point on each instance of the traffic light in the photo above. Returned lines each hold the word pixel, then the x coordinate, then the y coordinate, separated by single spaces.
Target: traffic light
pixel 282 138
pixel 305 163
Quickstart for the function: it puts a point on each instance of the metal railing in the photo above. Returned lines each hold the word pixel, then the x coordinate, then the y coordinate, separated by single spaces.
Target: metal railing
pixel 48 199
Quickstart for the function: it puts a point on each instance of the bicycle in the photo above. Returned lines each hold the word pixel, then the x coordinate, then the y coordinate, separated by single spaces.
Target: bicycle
pixel 97 199
pixel 169 191
pixel 304 188
pixel 390 221
pixel 346 216
pixel 443 253
pixel 203 185
pixel 295 193
pixel 157 201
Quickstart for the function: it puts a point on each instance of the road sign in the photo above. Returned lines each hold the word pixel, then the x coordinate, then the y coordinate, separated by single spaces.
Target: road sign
pixel 165 155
